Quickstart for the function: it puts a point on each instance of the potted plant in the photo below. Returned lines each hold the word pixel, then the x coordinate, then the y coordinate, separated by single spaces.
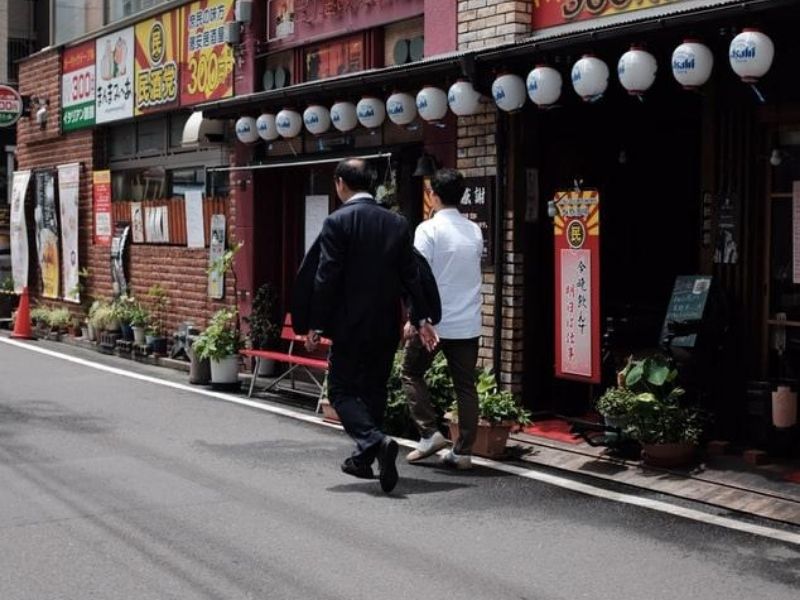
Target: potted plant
pixel 220 342
pixel 264 327
pixel 99 314
pixel 615 405
pixel 122 309
pixel 40 317
pixel 59 321
pixel 8 299
pixel 657 416
pixel 498 412
pixel 139 318
pixel 159 299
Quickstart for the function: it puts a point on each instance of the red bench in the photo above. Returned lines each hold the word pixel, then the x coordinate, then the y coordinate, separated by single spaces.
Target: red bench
pixel 311 364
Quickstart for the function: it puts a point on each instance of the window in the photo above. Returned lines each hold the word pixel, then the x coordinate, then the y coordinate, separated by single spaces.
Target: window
pixel 72 19
pixel 120 9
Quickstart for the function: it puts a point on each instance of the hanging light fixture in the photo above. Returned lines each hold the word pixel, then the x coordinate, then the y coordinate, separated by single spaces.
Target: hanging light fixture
pixel 265 125
pixel 544 85
pixel 401 108
pixel 590 78
pixel 432 104
pixel 317 119
pixel 371 112
pixel 750 54
pixel 246 131
pixel 692 63
pixel 288 123
pixel 508 91
pixel 463 99
pixel 344 117
pixel 637 70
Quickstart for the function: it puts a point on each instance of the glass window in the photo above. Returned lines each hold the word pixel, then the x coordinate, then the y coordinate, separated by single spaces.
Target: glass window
pixel 185 180
pixel 122 141
pixel 334 58
pixel 119 9
pixel 151 136
pixel 73 19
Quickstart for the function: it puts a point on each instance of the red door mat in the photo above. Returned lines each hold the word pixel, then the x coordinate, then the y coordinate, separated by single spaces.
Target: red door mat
pixel 553 429
pixel 793 476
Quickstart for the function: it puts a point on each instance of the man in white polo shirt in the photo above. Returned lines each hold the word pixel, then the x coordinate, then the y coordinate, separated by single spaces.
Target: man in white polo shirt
pixel 453 245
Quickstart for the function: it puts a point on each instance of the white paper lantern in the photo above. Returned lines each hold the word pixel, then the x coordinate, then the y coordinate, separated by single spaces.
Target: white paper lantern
pixel 751 53
pixel 692 63
pixel 508 92
pixel 371 112
pixel 590 77
pixel 265 125
pixel 544 85
pixel 463 99
pixel 432 103
pixel 246 131
pixel 401 108
pixel 637 70
pixel 289 123
pixel 343 116
pixel 317 119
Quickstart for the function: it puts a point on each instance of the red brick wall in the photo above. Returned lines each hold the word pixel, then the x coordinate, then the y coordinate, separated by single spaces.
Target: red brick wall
pixel 181 271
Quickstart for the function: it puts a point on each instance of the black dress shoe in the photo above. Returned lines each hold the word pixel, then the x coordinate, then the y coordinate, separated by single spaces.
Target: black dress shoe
pixel 355 469
pixel 387 455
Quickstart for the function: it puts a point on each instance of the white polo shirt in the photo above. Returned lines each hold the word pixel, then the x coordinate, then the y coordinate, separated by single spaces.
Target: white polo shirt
pixel 453 245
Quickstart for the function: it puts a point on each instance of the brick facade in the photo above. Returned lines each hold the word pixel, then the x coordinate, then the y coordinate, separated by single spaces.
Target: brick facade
pixel 181 271
pixel 483 23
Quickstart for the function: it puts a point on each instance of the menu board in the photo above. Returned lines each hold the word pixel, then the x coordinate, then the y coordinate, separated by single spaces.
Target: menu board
pixel 688 303
pixel 476 204
pixel 207 64
pixel 157 56
pixel 114 76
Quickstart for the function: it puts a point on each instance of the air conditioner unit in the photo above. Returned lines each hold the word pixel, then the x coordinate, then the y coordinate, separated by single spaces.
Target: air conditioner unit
pixel 230 33
pixel 244 11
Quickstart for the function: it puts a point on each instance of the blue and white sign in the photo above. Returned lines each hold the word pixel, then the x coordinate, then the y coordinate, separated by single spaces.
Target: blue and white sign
pixel 344 117
pixel 590 78
pixel 692 63
pixel 432 104
pixel 246 130
pixel 401 108
pixel 289 123
pixel 544 85
pixel 508 92
pixel 317 119
pixel 750 54
pixel 371 112
pixel 265 125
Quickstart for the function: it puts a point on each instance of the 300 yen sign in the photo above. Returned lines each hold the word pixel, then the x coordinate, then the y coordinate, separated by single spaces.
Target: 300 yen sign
pixel 208 72
pixel 82 86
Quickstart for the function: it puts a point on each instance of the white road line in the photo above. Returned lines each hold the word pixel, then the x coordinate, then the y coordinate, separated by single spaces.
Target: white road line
pixel 562 482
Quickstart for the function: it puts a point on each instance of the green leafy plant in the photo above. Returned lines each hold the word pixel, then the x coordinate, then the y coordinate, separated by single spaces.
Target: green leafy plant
pixel 494 404
pixel 122 308
pixel 41 315
pixel 264 327
pixel 221 338
pixel 616 402
pixel 139 316
pixel 59 318
pixel 7 285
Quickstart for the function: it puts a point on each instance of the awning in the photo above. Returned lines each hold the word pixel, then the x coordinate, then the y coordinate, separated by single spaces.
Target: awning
pixel 300 163
pixel 200 130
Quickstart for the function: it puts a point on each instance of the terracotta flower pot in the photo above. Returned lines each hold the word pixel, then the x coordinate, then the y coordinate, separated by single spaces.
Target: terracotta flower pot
pixel 490 440
pixel 668 455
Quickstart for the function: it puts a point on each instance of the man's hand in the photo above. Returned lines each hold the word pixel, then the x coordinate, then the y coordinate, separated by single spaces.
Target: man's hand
pixel 428 337
pixel 409 331
pixel 312 341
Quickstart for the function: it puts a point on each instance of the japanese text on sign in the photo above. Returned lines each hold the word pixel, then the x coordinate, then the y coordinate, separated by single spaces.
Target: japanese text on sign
pixel 476 205
pixel 207 66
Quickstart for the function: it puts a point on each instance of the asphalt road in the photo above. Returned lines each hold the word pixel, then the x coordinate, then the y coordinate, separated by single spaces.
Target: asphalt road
pixel 112 488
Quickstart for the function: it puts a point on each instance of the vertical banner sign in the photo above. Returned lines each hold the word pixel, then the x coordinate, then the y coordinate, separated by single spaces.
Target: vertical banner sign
pixel 47 233
pixel 195 233
pixel 19 231
pixel 114 76
pixel 157 55
pixel 216 280
pixel 796 232
pixel 476 204
pixel 577 278
pixel 316 212
pixel 101 195
pixel 68 188
pixel 137 223
pixel 207 65
pixel 78 87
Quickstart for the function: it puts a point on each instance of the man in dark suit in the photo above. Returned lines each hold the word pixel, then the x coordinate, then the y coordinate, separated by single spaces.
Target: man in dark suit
pixel 366 262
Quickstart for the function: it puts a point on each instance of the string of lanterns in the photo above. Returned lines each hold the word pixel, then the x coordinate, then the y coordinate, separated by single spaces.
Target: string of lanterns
pixel 750 55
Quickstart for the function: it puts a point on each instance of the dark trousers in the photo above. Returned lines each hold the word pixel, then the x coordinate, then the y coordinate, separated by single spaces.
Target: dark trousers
pixel 462 357
pixel 357 379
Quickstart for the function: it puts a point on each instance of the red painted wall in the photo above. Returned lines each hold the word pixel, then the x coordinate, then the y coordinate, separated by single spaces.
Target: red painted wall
pixel 440 26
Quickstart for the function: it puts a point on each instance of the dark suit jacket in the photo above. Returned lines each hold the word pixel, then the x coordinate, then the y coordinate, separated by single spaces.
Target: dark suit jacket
pixel 366 262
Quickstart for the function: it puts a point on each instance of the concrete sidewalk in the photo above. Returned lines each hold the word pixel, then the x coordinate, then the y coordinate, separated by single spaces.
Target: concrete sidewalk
pixel 720 481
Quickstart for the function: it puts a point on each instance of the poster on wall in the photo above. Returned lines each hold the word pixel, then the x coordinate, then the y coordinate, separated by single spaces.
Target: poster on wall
pixel 114 76
pixel 476 204
pixel 726 249
pixel 19 231
pixel 195 234
pixel 156 224
pixel 156 71
pixel 316 211
pixel 78 87
pixel 137 223
pixel 281 16
pixel 101 196
pixel 68 194
pixel 47 237
pixel 216 248
pixel 577 285
pixel 207 64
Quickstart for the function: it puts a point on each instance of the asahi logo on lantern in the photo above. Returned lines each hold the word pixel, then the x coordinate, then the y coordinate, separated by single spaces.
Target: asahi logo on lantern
pixel 283 122
pixel 396 108
pixel 10 106
pixel 683 63
pixel 366 111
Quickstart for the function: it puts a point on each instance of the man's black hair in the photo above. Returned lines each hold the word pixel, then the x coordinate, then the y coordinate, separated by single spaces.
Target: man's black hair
pixel 449 185
pixel 356 174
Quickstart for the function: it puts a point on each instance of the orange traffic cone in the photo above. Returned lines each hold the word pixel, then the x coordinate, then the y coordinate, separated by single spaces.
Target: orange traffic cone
pixel 22 325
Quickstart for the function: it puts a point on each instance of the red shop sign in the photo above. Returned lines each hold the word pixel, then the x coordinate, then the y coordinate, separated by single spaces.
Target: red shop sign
pixel 577 285
pixel 10 106
pixel 558 12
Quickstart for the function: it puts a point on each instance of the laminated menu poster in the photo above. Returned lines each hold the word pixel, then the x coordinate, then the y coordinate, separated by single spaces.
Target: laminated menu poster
pixel 47 244
pixel 216 280
pixel 101 197
pixel 68 187
pixel 114 77
pixel 19 231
